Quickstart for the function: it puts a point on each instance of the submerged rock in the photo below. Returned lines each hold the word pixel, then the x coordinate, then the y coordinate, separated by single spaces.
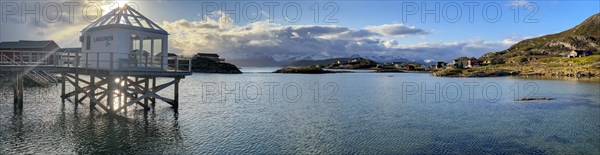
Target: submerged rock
pixel 534 99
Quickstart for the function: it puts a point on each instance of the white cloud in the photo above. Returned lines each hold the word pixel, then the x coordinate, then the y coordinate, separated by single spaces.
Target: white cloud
pixel 267 40
pixel 395 30
pixel 509 41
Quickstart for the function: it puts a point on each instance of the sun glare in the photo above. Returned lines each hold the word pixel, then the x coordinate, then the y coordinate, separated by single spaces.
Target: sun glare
pixel 109 6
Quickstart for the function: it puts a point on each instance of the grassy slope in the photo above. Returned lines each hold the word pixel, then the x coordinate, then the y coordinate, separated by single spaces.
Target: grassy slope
pixel 554 65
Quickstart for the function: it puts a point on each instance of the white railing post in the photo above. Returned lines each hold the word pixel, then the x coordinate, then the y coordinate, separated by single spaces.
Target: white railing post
pixel 190 65
pixel 176 63
pixel 76 60
pixel 55 57
pixel 68 59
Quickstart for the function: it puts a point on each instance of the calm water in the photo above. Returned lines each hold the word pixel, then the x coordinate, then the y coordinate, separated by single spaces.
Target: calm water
pixel 364 113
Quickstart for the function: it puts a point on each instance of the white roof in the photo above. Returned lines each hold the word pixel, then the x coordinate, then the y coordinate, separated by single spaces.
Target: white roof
pixel 125 16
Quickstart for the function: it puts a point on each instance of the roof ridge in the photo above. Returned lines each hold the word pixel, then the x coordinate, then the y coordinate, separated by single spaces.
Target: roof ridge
pixel 127 16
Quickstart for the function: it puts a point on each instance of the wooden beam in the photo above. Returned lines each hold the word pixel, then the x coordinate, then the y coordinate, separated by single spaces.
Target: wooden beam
pixel 161 87
pixel 77 91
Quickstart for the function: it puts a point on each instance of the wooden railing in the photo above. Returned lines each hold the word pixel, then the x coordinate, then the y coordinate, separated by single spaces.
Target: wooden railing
pixel 98 60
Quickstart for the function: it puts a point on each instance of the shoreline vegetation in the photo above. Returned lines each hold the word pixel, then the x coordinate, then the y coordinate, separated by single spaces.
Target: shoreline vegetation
pixel 583 67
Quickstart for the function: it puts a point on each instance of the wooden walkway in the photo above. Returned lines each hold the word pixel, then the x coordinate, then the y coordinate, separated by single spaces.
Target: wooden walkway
pixel 107 90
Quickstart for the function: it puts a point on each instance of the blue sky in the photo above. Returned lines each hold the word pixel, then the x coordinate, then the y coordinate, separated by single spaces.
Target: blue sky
pixel 552 16
pixel 374 28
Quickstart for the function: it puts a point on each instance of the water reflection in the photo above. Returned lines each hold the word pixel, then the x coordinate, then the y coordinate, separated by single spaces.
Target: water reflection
pixel 83 133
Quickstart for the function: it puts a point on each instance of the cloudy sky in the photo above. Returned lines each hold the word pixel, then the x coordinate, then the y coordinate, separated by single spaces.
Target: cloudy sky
pixel 293 30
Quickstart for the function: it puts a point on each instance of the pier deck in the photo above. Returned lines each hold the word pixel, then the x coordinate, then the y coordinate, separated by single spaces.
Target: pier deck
pixel 110 90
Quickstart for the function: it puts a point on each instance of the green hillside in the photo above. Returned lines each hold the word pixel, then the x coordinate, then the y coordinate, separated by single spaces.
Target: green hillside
pixel 585 36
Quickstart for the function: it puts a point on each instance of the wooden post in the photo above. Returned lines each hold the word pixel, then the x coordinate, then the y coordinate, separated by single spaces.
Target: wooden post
pixel 18 91
pixel 62 90
pixel 135 95
pixel 76 88
pixel 111 93
pixel 125 93
pixel 153 86
pixel 92 91
pixel 176 95
pixel 146 90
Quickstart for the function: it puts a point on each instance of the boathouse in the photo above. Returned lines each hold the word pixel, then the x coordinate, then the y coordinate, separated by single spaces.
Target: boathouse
pixel 124 39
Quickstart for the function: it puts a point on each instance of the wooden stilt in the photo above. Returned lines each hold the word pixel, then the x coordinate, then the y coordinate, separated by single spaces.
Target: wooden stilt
pixel 176 95
pixel 146 90
pixel 77 89
pixel 152 99
pixel 62 90
pixel 18 91
pixel 111 93
pixel 135 95
pixel 125 93
pixel 92 91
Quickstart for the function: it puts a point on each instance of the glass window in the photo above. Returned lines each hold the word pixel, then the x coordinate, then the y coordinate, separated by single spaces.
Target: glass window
pixel 135 49
pixel 146 50
pixel 157 50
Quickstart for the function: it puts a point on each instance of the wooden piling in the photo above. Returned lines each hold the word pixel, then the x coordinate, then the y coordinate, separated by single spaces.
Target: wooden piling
pixel 18 91
pixel 111 93
pixel 92 91
pixel 176 94
pixel 77 89
pixel 146 90
pixel 125 93
pixel 153 99
pixel 62 90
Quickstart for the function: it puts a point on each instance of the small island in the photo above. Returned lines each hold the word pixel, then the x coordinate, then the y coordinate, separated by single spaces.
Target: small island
pixel 303 70
pixel 211 63
pixel 357 63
